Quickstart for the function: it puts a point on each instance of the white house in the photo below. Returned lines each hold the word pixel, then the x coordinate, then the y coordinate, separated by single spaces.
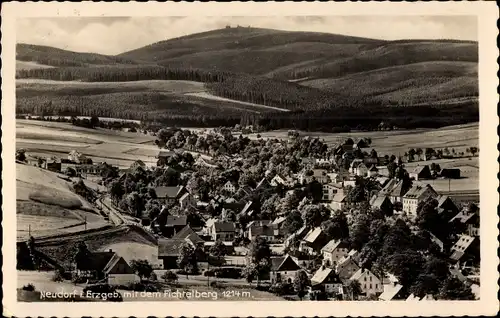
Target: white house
pixel 329 191
pixel 417 194
pixel 230 187
pixel 334 251
pixel 327 280
pixel 339 201
pixel 284 181
pixel 370 284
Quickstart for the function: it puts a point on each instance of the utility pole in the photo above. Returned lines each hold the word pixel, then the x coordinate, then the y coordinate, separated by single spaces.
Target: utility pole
pixel 29 230
pixel 85 222
pixel 449 185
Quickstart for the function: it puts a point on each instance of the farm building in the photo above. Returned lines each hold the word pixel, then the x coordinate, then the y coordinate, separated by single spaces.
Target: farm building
pixel 450 173
pixel 107 266
pixel 283 269
pixel 169 195
pixel 169 250
pixel 325 279
pixel 421 172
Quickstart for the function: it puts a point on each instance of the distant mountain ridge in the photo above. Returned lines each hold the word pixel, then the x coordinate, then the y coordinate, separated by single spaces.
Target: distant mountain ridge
pixel 297 71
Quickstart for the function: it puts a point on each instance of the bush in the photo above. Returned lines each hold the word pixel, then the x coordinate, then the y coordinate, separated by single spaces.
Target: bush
pixel 58 276
pixel 281 289
pixel 29 287
pixel 216 285
pixel 78 280
pixel 169 277
pixel 153 277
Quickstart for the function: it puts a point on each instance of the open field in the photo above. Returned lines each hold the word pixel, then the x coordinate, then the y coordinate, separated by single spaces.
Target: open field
pixel 27 65
pixel 217 98
pixel 397 142
pixel 166 86
pixel 102 145
pixel 467 184
pixel 46 205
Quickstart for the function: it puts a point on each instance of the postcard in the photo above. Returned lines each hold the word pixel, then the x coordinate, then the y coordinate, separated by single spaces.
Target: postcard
pixel 195 159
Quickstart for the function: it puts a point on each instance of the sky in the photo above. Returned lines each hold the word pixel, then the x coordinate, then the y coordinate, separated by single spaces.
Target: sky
pixel 114 35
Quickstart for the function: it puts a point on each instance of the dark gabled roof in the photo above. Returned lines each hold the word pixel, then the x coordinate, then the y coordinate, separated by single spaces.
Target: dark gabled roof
pixel 170 247
pixel 397 190
pixel 224 227
pixel 324 275
pixel 378 201
pixel 419 169
pixel 417 191
pixel 97 261
pixel 188 233
pixel 334 244
pixel 168 192
pixel 284 263
pixel 373 168
pixel 263 184
pixel 173 220
pixel 258 230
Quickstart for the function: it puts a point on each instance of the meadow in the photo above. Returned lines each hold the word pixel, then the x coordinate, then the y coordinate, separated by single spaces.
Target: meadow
pixel 45 205
pixel 101 145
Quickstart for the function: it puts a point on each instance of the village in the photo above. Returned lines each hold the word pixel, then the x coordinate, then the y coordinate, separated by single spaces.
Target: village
pixel 293 217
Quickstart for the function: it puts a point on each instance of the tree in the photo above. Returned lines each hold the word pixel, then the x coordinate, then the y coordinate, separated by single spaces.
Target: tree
pixel 169 277
pixel 336 228
pixel 300 283
pixel 218 250
pixel 354 289
pixel 428 217
pixel 473 150
pixel 315 190
pixel 142 268
pixel 187 259
pixel 259 250
pixel 419 152
pixel 21 155
pixel 360 232
pixel 314 215
pixel 454 289
pixel 293 222
pixel 391 168
pixel 94 121
pixel 116 191
pixel 81 256
pixel 250 273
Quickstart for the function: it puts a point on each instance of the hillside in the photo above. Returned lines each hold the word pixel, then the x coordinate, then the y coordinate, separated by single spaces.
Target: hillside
pixel 50 56
pixel 313 75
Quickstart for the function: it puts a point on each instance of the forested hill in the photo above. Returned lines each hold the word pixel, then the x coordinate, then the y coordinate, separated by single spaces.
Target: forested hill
pixel 50 56
pixel 295 55
pixel 325 80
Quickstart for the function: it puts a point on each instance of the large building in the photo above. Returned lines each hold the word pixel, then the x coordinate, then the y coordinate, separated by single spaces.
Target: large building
pixel 417 194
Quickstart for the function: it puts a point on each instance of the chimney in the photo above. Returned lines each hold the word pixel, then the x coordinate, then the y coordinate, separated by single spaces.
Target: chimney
pixel 110 250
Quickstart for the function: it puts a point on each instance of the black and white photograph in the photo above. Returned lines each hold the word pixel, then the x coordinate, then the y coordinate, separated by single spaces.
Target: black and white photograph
pixel 321 158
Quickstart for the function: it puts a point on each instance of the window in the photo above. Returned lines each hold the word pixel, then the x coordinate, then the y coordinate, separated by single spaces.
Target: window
pixel 370 286
pixel 365 278
pixel 370 278
pixel 376 286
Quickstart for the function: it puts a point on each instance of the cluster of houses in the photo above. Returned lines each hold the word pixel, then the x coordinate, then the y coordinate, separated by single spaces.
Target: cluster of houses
pixel 75 161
